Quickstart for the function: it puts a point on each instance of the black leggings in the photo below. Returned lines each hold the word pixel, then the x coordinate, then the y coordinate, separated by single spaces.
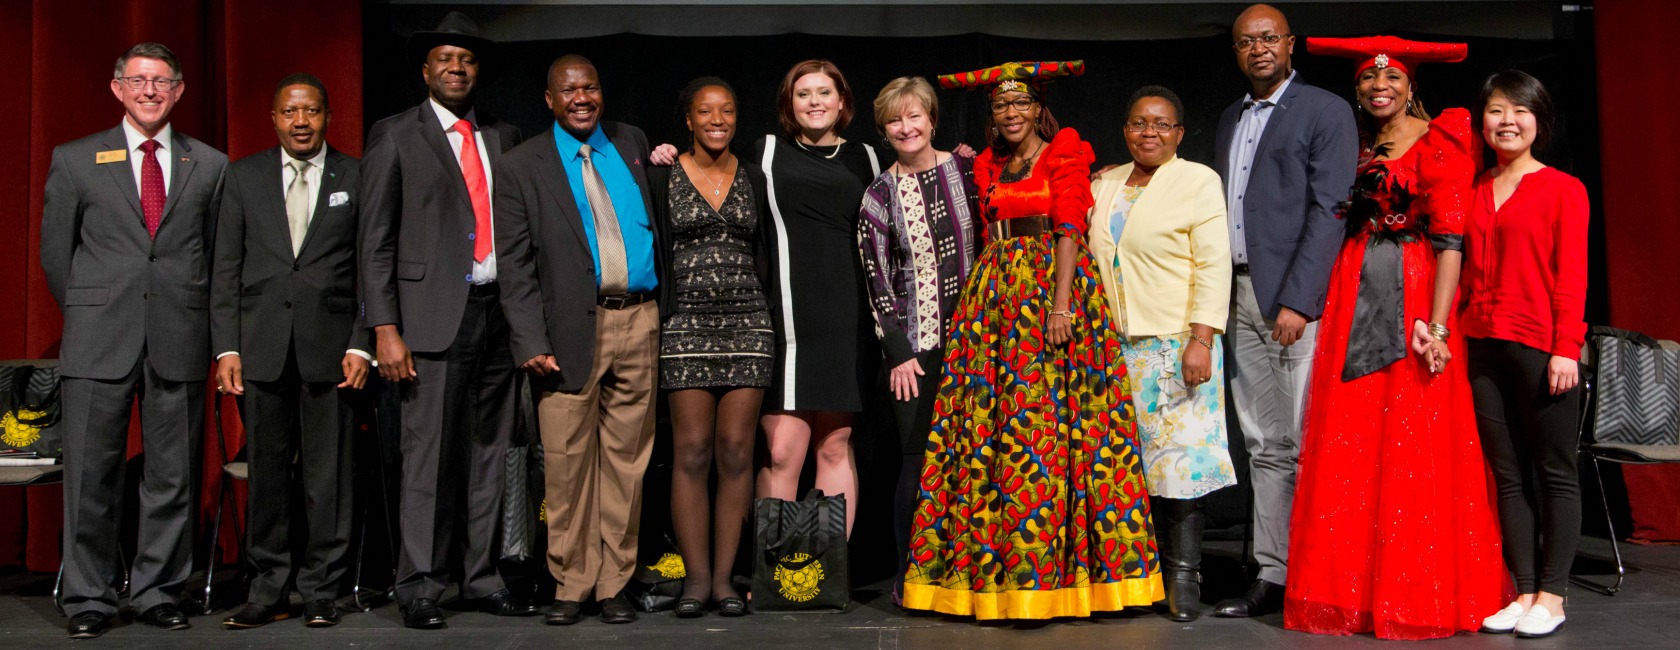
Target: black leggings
pixel 1529 438
pixel 913 420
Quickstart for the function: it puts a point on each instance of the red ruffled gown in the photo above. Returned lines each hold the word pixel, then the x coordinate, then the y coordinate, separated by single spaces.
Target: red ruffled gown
pixel 1394 529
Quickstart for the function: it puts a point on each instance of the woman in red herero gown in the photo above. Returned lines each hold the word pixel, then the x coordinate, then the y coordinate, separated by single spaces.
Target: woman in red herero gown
pixel 1394 530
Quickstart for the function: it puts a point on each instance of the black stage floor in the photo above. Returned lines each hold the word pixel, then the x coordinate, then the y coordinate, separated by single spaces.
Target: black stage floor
pixel 1646 614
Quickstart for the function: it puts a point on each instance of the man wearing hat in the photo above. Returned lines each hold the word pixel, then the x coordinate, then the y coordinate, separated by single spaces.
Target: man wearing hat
pixel 428 266
pixel 1287 154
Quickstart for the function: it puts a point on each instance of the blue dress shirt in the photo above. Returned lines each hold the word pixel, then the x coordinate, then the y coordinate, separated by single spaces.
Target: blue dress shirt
pixel 633 222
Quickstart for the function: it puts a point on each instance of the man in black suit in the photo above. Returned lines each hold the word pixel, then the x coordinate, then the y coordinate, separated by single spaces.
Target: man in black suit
pixel 284 323
pixel 429 270
pixel 1287 153
pixel 573 220
pixel 126 233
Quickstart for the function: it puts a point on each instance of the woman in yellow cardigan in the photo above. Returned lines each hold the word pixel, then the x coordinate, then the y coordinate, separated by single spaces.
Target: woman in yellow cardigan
pixel 1159 238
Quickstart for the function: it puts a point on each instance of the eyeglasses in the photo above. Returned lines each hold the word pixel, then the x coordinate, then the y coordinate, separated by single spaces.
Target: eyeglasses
pixel 1140 126
pixel 140 83
pixel 1269 40
pixel 1021 105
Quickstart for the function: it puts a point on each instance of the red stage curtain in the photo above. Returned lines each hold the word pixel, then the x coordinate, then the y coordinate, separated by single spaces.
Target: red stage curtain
pixel 1641 209
pixel 231 53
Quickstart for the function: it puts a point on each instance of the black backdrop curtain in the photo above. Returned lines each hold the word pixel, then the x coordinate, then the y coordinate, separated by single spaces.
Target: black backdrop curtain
pixel 642 73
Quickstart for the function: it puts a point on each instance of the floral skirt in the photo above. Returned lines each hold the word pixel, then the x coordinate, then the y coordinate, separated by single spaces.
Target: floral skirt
pixel 1032 502
pixel 1185 454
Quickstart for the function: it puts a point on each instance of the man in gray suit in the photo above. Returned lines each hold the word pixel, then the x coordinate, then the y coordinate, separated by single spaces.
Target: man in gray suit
pixel 284 324
pixel 1287 153
pixel 574 220
pixel 429 280
pixel 126 234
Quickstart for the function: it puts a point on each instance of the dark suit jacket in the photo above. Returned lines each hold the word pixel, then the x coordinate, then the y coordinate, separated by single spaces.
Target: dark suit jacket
pixel 264 301
pixel 1303 167
pixel 417 225
pixel 123 291
pixel 543 256
pixel 659 183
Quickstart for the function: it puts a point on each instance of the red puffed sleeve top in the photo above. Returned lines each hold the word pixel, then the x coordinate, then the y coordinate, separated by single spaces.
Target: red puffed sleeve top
pixel 1525 264
pixel 1060 185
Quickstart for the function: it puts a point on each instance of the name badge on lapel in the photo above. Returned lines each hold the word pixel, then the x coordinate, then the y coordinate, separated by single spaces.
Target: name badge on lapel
pixel 337 199
pixel 112 156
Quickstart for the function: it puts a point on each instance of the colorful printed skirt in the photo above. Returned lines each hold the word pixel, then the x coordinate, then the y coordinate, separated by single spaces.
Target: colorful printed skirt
pixel 1032 502
pixel 1185 453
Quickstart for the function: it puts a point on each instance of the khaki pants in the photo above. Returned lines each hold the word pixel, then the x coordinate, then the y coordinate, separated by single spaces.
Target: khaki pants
pixel 596 444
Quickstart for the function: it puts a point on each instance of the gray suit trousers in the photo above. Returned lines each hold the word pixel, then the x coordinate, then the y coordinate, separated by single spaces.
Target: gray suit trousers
pixel 1268 390
pixel 96 414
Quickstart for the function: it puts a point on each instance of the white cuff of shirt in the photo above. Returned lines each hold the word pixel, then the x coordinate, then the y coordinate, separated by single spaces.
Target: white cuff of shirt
pixel 219 356
pixel 359 353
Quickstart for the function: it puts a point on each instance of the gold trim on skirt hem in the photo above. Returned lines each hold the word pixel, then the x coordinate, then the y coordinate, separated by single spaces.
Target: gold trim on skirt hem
pixel 1036 603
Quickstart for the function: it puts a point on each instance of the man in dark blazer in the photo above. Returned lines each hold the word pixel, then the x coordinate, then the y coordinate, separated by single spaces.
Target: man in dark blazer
pixel 126 233
pixel 1287 153
pixel 429 280
pixel 284 325
pixel 573 222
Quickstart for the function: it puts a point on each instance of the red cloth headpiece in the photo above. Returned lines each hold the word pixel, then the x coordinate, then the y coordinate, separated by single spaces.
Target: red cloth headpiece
pixel 1017 76
pixel 1388 51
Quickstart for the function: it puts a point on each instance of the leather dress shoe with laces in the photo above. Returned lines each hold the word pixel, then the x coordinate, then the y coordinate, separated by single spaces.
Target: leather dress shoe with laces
pixel 1263 597
pixel 502 603
pixel 617 610
pixel 564 612
pixel 254 615
pixel 423 614
pixel 320 613
pixel 165 616
pixel 88 625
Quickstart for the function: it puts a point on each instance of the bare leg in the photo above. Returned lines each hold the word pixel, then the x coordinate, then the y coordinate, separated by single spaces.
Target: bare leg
pixel 733 450
pixel 836 466
pixel 788 435
pixel 692 414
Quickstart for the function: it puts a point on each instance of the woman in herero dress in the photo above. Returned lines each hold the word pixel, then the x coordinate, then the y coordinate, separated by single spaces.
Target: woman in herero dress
pixel 1393 530
pixel 1032 502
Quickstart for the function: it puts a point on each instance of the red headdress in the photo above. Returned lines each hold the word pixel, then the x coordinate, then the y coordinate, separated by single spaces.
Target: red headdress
pixel 1388 52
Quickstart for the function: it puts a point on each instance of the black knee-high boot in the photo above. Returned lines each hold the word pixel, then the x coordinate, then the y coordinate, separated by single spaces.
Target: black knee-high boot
pixel 1179 531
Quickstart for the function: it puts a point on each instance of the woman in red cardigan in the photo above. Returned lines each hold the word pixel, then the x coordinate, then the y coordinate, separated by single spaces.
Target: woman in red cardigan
pixel 1524 293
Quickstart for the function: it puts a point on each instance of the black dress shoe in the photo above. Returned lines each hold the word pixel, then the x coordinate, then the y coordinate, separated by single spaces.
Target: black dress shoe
pixel 165 616
pixel 564 612
pixel 423 614
pixel 1263 597
pixel 732 606
pixel 502 603
pixel 254 615
pixel 320 613
pixel 88 625
pixel 690 608
pixel 617 610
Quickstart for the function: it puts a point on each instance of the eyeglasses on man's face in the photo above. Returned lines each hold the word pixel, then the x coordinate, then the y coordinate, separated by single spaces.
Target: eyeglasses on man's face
pixel 164 84
pixel 1269 40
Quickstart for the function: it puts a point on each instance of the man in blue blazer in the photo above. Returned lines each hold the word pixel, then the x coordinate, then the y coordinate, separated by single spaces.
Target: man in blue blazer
pixel 1287 153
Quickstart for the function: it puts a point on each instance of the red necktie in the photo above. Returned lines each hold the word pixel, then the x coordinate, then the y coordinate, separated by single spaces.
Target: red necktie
pixel 473 169
pixel 152 194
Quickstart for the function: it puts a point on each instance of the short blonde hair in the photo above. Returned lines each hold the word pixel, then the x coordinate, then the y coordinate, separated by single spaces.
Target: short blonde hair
pixel 890 102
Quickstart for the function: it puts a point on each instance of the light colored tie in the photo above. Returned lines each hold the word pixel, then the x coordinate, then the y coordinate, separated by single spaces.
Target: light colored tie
pixel 297 203
pixel 609 242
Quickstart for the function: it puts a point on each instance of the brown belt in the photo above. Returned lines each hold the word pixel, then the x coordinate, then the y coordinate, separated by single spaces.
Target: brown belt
pixel 1032 226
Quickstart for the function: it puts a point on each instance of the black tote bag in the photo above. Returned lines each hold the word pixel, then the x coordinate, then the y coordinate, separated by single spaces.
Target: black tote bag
pixel 800 563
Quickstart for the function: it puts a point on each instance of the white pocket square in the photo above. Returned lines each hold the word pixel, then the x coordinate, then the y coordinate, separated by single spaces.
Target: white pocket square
pixel 338 199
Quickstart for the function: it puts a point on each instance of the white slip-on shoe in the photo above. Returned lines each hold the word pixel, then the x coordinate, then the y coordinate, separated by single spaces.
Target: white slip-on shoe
pixel 1505 621
pixel 1538 623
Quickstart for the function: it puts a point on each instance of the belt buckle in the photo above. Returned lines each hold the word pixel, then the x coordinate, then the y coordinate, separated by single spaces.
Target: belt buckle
pixel 614 302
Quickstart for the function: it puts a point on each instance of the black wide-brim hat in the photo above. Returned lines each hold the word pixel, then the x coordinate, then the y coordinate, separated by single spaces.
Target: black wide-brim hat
pixel 460 31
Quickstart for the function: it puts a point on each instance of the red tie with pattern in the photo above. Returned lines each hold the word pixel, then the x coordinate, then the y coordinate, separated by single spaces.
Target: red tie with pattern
pixel 152 194
pixel 473 169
